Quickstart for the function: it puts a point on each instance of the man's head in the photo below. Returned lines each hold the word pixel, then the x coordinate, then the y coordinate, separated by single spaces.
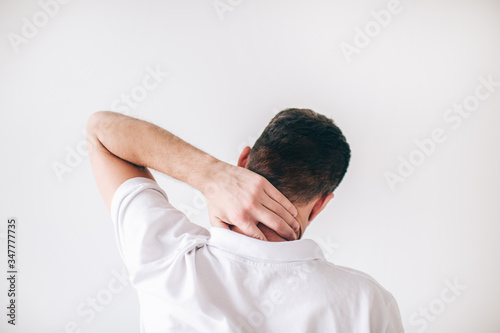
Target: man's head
pixel 304 155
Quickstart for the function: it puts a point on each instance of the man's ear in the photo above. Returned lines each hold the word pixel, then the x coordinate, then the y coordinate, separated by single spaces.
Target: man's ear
pixel 320 205
pixel 243 160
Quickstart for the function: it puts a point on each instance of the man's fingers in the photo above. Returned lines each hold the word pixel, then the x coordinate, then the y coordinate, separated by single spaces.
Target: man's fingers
pixel 277 196
pixel 279 210
pixel 276 223
pixel 218 223
pixel 251 229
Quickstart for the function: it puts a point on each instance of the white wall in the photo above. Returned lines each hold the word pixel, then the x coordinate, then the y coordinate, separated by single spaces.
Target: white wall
pixel 226 80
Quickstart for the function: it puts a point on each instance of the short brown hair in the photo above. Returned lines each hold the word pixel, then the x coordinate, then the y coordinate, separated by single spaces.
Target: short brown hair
pixel 302 153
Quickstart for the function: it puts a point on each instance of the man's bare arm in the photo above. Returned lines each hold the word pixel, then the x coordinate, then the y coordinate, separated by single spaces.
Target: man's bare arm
pixel 122 147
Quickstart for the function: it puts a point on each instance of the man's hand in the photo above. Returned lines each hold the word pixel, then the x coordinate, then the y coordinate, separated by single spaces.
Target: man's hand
pixel 240 197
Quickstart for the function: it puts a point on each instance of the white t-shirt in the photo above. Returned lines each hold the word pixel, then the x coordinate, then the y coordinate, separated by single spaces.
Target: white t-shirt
pixel 192 280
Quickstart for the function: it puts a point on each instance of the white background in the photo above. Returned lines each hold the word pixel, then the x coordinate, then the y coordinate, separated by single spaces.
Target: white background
pixel 227 78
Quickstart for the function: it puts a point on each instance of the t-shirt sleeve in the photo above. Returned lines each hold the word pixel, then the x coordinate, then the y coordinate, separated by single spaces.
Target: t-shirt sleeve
pixel 148 229
pixel 395 324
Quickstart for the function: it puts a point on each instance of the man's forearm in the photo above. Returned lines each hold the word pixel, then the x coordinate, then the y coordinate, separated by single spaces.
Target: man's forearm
pixel 145 144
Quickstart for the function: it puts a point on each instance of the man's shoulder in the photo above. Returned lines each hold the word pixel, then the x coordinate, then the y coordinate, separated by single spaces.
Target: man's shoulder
pixel 353 280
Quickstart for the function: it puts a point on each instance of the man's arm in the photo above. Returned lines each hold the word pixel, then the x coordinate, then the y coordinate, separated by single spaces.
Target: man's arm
pixel 122 147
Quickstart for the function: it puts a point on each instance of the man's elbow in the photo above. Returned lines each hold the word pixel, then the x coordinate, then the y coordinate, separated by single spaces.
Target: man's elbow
pixel 97 121
pixel 95 124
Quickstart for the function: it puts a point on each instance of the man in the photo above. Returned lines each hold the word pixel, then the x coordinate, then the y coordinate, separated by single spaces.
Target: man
pixel 251 272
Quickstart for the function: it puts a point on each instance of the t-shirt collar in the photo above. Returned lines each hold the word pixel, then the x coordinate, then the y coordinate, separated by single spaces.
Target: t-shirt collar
pixel 233 242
